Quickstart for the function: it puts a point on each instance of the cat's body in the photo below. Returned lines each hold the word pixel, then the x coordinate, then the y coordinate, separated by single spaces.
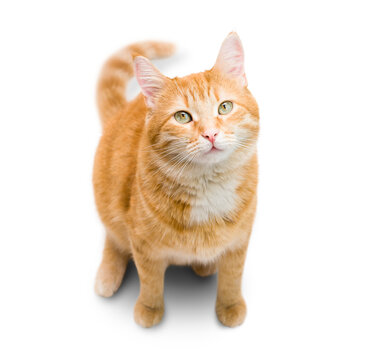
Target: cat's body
pixel 161 205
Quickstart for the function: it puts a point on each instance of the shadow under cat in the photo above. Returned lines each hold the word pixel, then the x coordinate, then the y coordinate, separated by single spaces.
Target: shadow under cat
pixel 186 295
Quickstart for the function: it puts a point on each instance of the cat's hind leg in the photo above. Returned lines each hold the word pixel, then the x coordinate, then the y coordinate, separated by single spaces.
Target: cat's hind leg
pixel 111 270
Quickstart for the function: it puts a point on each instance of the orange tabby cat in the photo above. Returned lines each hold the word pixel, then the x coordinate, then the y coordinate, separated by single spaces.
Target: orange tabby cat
pixel 175 175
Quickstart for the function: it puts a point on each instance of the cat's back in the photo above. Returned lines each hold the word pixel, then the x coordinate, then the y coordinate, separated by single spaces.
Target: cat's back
pixel 116 159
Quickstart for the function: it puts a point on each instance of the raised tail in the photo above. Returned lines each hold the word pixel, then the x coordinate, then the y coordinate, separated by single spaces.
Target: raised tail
pixel 119 69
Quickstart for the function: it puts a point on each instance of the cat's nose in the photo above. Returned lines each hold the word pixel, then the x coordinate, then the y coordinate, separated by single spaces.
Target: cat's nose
pixel 210 134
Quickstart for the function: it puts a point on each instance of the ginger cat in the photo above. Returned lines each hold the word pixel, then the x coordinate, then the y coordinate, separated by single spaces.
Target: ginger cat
pixel 175 175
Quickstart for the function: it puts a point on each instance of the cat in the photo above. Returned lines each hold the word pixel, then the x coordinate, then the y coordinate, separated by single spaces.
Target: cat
pixel 175 175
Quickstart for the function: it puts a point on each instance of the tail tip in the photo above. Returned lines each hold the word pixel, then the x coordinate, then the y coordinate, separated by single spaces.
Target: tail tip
pixel 166 49
pixel 153 49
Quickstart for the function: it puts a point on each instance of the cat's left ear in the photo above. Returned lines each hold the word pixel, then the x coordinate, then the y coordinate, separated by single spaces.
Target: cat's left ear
pixel 230 60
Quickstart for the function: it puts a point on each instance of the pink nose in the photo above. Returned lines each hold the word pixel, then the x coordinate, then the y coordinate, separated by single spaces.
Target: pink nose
pixel 210 134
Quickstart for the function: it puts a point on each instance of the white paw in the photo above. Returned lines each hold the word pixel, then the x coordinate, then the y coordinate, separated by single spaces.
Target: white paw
pixel 107 282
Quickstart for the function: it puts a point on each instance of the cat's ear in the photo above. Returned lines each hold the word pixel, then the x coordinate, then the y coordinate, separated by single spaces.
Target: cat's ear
pixel 149 78
pixel 230 60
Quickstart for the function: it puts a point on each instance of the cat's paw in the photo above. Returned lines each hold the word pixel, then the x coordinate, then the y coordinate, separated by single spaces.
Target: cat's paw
pixel 205 270
pixel 146 316
pixel 231 315
pixel 108 280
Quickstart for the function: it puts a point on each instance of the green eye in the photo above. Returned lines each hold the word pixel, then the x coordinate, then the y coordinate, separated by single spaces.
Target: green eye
pixel 182 117
pixel 225 107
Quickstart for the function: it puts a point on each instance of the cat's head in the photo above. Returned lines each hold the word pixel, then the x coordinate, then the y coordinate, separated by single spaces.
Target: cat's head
pixel 202 118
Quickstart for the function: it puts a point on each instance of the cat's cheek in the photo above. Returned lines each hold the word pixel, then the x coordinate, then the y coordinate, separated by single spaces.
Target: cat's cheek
pixel 185 131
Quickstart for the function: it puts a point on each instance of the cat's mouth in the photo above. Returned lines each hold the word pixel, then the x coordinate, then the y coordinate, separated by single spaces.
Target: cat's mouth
pixel 213 150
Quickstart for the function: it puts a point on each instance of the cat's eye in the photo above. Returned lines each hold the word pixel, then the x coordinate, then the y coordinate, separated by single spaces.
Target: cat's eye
pixel 225 107
pixel 182 117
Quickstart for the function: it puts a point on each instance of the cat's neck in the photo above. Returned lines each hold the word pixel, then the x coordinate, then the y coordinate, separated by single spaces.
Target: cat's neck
pixel 193 194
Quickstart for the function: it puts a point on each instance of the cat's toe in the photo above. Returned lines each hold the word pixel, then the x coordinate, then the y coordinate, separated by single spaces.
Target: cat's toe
pixel 231 315
pixel 146 316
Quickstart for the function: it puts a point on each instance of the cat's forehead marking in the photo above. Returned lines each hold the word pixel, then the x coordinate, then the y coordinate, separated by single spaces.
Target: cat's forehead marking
pixel 199 97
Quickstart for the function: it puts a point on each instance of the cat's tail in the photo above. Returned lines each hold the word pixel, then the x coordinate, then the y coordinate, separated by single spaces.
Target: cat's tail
pixel 119 69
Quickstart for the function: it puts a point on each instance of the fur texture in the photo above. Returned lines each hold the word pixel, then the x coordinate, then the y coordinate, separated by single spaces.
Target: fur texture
pixel 172 193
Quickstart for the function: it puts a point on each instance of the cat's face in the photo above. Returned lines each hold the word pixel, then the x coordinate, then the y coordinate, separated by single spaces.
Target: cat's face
pixel 202 118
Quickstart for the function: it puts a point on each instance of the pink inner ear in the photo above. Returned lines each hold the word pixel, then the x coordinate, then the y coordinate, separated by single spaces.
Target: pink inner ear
pixel 236 70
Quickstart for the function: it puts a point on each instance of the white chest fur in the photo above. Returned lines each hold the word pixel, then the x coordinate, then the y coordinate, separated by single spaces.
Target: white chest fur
pixel 216 199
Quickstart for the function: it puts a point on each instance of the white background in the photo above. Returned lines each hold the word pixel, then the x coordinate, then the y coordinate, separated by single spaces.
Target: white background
pixel 314 278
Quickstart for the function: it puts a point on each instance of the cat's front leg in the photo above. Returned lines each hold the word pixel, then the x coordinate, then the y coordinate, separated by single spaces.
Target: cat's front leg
pixel 230 305
pixel 149 307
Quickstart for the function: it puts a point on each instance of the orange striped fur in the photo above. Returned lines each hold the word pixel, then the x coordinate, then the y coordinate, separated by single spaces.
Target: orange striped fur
pixel 163 197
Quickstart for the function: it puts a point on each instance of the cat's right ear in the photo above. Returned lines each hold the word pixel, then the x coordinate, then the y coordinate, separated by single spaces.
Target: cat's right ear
pixel 150 80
